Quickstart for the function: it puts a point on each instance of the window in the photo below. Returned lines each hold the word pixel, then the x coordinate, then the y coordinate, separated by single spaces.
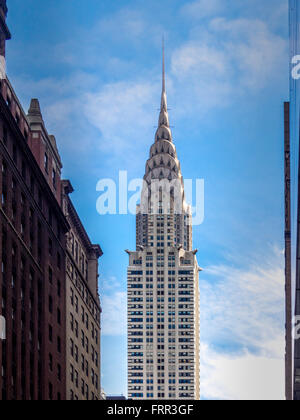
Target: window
pixel 50 362
pixel 87 368
pixel 50 391
pixel 58 316
pixel 46 162
pixel 54 178
pixel 72 373
pixel 59 372
pixel 76 329
pixel 82 387
pixel 76 378
pixel 76 304
pixel 76 251
pixel 58 288
pixel 72 347
pixel 76 354
pixel 50 304
pixel 72 322
pixel 58 344
pixel 82 314
pixel 72 297
pixel 50 333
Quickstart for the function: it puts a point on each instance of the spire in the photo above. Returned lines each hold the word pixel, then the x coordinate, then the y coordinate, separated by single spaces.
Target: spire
pixel 163 106
pixel 163 132
pixel 163 66
pixel 34 112
pixel 34 108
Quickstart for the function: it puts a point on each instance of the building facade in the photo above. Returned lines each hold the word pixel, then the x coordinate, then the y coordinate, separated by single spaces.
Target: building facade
pixel 163 282
pixel 32 249
pixel 49 269
pixel 82 308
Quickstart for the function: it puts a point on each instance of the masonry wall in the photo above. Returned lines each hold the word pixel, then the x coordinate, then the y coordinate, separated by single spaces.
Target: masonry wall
pixel 32 276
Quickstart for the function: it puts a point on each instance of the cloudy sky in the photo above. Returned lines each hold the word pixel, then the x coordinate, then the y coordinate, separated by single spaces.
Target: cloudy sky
pixel 96 68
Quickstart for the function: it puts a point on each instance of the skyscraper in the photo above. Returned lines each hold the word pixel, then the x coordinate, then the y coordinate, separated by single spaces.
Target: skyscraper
pixel 163 281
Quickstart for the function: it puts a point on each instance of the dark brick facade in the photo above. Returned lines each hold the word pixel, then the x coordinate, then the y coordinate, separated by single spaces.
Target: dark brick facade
pixel 32 251
pixel 32 278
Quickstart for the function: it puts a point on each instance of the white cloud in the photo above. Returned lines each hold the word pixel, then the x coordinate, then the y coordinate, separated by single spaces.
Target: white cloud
pixel 242 319
pixel 109 284
pixel 243 306
pixel 202 8
pixel 123 113
pixel 256 51
pixel 227 59
pixel 244 376
pixel 114 317
pixel 130 24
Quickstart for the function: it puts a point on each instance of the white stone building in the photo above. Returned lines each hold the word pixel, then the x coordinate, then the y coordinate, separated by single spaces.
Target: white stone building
pixel 163 282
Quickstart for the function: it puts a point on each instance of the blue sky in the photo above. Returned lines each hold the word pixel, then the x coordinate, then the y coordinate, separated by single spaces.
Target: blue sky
pixel 96 68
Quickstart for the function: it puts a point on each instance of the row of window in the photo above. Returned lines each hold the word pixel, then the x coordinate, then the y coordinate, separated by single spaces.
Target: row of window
pixel 74 377
pixel 28 179
pixel 84 293
pixel 24 217
pixel 78 254
pixel 75 354
pixel 84 317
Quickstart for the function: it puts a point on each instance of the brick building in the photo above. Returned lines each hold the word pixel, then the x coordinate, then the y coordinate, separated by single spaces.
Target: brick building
pixel 32 278
pixel 33 251
pixel 83 308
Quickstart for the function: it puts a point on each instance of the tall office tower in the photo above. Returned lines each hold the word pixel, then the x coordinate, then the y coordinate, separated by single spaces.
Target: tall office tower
pixel 163 281
pixel 83 308
pixel 32 252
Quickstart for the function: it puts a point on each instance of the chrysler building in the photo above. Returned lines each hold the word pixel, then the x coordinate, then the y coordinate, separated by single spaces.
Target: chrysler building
pixel 163 281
